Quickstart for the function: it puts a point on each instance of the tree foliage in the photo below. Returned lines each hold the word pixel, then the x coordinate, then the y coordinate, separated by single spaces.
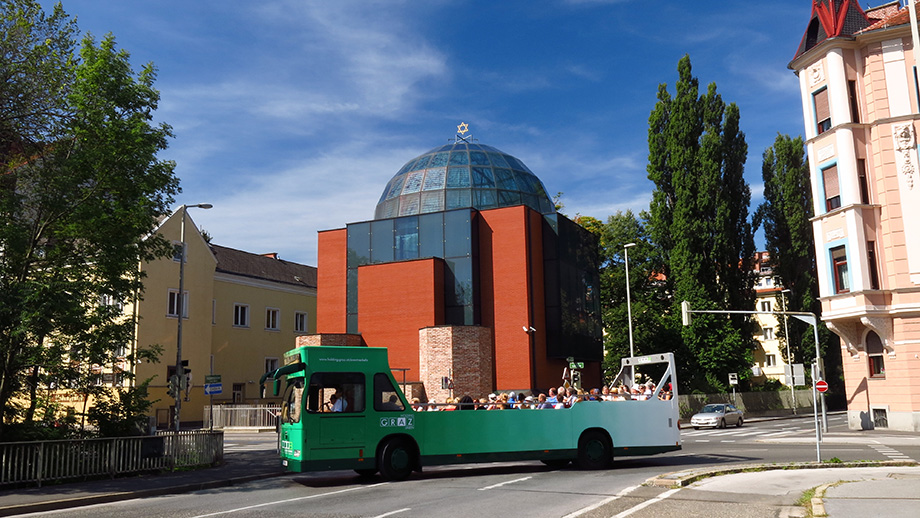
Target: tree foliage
pixel 698 220
pixel 81 192
pixel 786 218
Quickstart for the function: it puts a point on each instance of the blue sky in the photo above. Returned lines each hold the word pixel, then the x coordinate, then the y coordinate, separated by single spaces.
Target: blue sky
pixel 291 116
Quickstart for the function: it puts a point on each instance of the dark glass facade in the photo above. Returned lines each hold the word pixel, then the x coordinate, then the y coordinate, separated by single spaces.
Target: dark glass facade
pixel 447 235
pixel 572 283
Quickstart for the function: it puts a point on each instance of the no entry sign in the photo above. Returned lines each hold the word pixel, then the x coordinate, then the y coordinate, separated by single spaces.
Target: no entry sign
pixel 821 385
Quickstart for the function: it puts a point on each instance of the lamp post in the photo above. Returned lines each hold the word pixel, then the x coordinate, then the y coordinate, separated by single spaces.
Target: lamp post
pixel 791 379
pixel 632 352
pixel 179 306
pixel 788 353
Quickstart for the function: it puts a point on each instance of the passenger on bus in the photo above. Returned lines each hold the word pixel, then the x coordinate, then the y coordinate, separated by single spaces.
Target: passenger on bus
pixel 551 398
pixel 543 402
pixel 417 405
pixel 433 405
pixel 336 402
pixel 466 403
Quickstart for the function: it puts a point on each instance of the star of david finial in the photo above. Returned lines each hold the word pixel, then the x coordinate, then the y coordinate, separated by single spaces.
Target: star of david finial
pixel 463 128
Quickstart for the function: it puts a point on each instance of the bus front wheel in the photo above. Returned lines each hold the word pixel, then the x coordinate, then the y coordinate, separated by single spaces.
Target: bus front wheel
pixel 396 459
pixel 594 450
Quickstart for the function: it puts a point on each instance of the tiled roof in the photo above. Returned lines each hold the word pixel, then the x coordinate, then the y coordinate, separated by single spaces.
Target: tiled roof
pixel 267 267
pixel 832 19
pixel 887 16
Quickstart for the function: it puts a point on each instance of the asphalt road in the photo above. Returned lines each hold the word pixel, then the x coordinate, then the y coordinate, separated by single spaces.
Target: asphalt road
pixel 525 489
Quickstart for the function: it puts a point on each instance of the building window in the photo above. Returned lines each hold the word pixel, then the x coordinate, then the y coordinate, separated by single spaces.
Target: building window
pixel 873 265
pixel 831 188
pixel 876 354
pixel 240 315
pixel 271 364
pixel 841 274
pixel 768 333
pixel 854 101
pixel 863 181
pixel 765 305
pixel 770 360
pixel 272 318
pixel 213 311
pixel 173 303
pixel 768 281
pixel 301 322
pixel 822 111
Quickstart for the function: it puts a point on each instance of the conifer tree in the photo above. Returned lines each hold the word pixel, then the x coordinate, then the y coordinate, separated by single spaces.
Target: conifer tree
pixel 698 219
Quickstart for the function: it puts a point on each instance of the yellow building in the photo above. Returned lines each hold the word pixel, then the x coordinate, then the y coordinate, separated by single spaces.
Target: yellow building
pixel 242 311
pixel 768 358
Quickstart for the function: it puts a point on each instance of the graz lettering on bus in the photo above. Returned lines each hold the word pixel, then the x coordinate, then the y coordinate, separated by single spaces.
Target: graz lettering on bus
pixel 403 421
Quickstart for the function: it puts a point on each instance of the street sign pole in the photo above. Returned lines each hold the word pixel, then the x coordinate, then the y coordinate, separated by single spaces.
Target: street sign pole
pixel 814 399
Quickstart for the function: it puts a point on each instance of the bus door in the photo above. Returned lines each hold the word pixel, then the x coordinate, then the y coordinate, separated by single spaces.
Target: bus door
pixel 336 403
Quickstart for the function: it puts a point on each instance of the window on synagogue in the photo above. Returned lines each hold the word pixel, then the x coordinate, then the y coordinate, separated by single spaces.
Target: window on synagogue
pixel 841 272
pixel 822 111
pixel 240 315
pixel 272 317
pixel 876 354
pixel 173 303
pixel 831 188
pixel 301 322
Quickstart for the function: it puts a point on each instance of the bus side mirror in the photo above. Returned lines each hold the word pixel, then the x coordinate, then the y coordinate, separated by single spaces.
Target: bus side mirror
pixel 276 386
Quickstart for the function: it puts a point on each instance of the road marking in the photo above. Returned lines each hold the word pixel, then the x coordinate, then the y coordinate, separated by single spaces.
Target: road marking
pixel 647 503
pixel 228 511
pixel 727 440
pixel 603 502
pixel 504 483
pixel 393 512
pixel 701 440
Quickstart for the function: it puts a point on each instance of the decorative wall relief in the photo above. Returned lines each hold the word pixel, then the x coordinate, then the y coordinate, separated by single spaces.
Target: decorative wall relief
pixel 905 149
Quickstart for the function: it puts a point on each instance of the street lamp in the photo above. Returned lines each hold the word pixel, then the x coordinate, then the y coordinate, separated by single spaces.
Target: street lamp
pixel 788 354
pixel 179 299
pixel 632 353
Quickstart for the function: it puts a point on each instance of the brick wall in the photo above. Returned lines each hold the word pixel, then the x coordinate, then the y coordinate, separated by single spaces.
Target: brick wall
pixel 466 351
pixel 333 339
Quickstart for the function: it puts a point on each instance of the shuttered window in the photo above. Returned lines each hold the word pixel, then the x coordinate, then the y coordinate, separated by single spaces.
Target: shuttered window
pixel 822 111
pixel 831 188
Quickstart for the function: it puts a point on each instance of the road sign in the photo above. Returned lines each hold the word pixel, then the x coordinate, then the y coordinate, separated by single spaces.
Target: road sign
pixel 821 385
pixel 211 389
pixel 212 378
pixel 732 378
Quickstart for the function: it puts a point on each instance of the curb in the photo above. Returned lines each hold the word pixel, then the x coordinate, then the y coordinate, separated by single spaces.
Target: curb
pixel 67 503
pixel 680 479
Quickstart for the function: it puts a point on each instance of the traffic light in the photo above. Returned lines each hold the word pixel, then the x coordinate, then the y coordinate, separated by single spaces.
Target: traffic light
pixel 184 375
pixel 172 387
pixel 576 378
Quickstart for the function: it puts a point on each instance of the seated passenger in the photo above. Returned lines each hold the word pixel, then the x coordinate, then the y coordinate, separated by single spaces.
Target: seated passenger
pixel 551 398
pixel 432 405
pixel 336 402
pixel 466 403
pixel 417 405
pixel 543 402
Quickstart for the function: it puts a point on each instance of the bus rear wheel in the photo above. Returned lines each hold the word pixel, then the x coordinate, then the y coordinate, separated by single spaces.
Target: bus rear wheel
pixel 396 459
pixel 594 450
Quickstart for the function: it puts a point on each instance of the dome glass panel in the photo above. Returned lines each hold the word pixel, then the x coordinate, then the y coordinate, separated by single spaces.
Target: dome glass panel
pixel 462 175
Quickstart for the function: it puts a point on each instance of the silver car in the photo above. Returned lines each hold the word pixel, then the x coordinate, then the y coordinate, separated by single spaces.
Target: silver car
pixel 717 415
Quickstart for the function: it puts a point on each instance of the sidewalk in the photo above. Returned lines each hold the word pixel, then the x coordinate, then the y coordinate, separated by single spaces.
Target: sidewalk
pixel 238 468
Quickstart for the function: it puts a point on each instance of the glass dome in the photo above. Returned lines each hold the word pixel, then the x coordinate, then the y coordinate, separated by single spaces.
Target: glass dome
pixel 462 175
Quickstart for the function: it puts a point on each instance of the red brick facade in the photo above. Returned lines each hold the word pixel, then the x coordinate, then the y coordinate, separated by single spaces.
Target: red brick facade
pixel 462 352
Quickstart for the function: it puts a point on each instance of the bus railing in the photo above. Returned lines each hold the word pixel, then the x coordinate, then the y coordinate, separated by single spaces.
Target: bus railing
pixel 40 462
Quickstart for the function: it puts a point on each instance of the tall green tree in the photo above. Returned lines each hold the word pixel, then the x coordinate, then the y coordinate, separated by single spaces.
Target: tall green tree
pixel 786 218
pixel 81 193
pixel 698 220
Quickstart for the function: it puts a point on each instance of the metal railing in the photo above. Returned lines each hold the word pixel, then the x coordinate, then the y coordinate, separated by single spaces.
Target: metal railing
pixel 242 416
pixel 38 462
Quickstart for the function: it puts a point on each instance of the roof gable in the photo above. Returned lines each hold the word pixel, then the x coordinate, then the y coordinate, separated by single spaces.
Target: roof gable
pixel 832 19
pixel 267 267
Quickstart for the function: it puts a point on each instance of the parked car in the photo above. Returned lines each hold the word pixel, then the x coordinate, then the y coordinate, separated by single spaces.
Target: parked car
pixel 717 415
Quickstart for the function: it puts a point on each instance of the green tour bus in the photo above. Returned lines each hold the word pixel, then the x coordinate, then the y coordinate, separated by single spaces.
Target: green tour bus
pixel 342 409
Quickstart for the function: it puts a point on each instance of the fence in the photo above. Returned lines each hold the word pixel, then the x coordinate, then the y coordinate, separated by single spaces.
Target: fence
pixel 39 462
pixel 761 404
pixel 242 416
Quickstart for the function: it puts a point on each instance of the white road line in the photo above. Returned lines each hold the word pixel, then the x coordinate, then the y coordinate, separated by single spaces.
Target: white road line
pixel 647 503
pixel 228 511
pixel 393 512
pixel 504 483
pixel 701 440
pixel 603 502
pixel 727 440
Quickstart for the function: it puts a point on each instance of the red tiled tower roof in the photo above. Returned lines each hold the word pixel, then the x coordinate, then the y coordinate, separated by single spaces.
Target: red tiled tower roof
pixel 832 19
